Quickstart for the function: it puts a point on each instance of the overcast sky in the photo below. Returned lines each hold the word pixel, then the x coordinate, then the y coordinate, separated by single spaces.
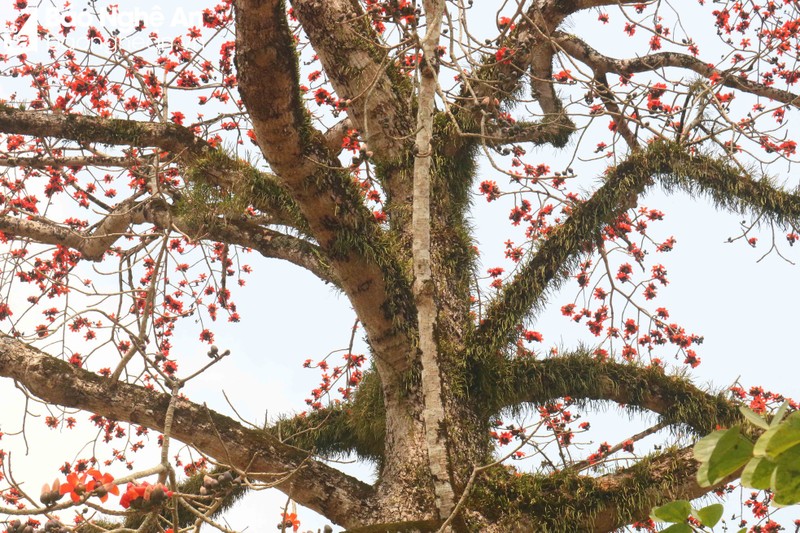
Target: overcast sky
pixel 746 311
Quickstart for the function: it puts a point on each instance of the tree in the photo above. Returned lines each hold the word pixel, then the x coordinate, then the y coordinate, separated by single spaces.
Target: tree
pixel 107 177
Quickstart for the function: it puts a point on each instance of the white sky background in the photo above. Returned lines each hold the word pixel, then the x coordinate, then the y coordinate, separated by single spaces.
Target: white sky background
pixel 747 311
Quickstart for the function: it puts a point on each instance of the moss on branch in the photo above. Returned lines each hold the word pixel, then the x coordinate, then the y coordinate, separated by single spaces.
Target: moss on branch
pixel 734 189
pixel 666 162
pixel 513 383
pixel 553 261
pixel 567 502
pixel 356 427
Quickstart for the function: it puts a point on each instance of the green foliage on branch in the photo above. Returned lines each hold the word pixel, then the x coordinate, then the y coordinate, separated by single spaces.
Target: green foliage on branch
pixel 772 462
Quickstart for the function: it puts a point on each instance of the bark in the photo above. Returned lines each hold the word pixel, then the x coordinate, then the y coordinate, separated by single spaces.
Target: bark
pixel 424 291
pixel 168 137
pixel 338 496
pixel 580 50
pixel 439 378
pixel 359 250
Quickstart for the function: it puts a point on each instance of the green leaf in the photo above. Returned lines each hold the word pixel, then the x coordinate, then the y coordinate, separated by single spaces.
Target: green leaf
pixel 753 417
pixel 702 476
pixel 677 511
pixel 780 413
pixel 721 453
pixel 758 473
pixel 780 438
pixel 711 514
pixel 706 446
pixel 678 528
pixel 786 478
pixel 760 449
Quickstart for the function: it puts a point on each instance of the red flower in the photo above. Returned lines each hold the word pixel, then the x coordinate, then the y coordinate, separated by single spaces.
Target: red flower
pixel 691 358
pixel 207 336
pixel 494 272
pixel 503 55
pixel 655 42
pixel 290 519
pixel 75 486
pixel 137 495
pixel 505 22
pixel 531 336
pixel 102 484
pixel 625 271
pixel 565 76
pixel 5 311
pixel 490 189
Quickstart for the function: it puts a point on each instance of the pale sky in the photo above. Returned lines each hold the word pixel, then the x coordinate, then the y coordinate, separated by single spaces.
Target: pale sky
pixel 747 312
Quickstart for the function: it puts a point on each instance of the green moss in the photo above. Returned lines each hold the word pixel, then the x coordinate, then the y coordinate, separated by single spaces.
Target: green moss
pixel 560 502
pixel 356 427
pixel 97 526
pixel 567 502
pixel 414 526
pixel 204 200
pixel 190 485
pixel 510 384
pixel 733 189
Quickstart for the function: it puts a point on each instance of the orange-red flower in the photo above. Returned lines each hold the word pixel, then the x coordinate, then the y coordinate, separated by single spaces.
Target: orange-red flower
pixel 75 486
pixel 290 519
pixel 103 484
pixel 78 487
pixel 137 496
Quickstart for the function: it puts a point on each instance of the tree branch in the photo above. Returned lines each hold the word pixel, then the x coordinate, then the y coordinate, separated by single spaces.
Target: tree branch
pixel 269 243
pixel 361 73
pixel 83 161
pixel 674 167
pixel 361 252
pixel 341 498
pixel 551 262
pixel 170 137
pixel 634 491
pixel 581 51
pixel 377 95
pixel 495 82
pixel 93 244
pixel 583 378
pixel 564 502
pixel 204 163
pixel 732 189
pixel 430 372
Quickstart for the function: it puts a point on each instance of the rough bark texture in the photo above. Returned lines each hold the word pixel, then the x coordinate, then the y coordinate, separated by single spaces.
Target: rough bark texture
pixel 424 291
pixel 322 488
pixel 440 377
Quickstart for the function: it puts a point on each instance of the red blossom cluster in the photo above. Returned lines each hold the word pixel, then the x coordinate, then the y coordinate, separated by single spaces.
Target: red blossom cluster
pixel 144 496
pixel 760 400
pixel 351 373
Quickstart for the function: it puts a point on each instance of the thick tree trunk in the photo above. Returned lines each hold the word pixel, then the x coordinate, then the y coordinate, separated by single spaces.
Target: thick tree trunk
pixel 405 486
